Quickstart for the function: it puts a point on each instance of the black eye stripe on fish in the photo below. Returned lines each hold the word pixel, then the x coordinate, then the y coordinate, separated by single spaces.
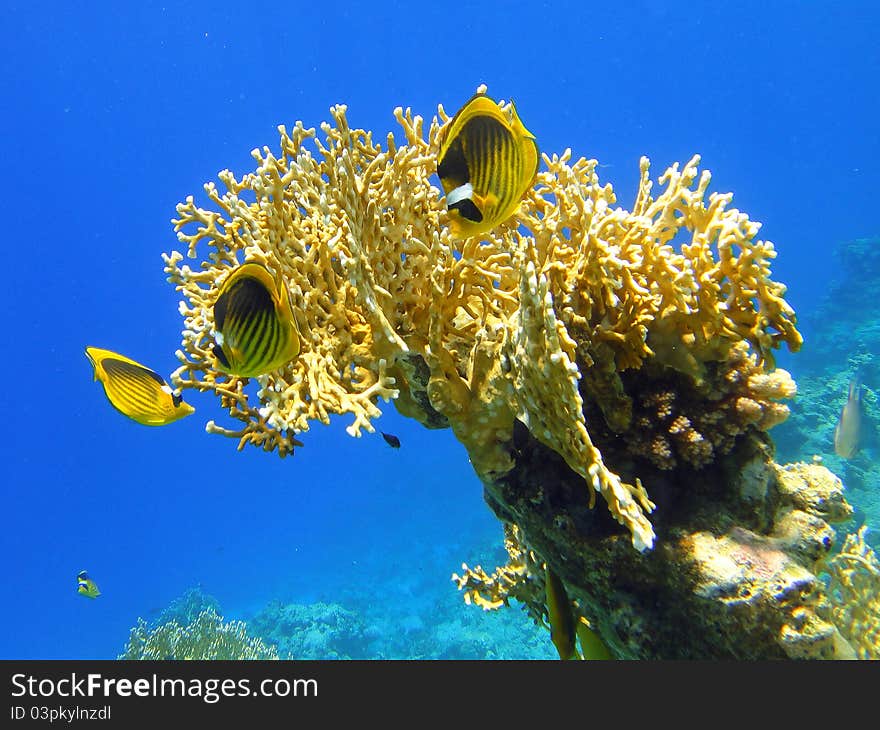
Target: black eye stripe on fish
pixel 468 210
pixel 218 353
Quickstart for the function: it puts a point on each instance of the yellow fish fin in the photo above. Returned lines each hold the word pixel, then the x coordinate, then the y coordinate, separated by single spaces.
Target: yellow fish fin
pixel 518 127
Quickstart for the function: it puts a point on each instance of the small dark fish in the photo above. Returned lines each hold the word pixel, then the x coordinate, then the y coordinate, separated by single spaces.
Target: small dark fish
pixel 848 432
pixel 391 440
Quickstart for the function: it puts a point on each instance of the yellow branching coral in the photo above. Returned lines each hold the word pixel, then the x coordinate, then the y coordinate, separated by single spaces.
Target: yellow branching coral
pixel 852 601
pixel 521 578
pixel 205 637
pixel 479 332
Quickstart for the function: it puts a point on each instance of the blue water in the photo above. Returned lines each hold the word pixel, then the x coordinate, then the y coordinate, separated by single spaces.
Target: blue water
pixel 110 117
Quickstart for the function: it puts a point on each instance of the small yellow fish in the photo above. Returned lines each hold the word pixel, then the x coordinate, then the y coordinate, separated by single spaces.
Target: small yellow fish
pixel 848 432
pixel 253 322
pixel 487 162
pixel 136 391
pixel 592 646
pixel 86 586
pixel 562 625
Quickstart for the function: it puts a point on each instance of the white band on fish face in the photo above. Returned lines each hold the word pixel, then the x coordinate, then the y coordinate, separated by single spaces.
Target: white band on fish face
pixel 462 192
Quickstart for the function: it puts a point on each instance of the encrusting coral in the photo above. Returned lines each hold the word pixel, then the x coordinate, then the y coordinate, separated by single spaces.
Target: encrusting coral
pixel 482 332
pixel 738 576
pixel 675 419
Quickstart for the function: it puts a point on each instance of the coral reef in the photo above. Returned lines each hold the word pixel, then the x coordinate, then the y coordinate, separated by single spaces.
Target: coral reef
pixel 734 576
pixel 186 608
pixel 578 348
pixel 429 625
pixel 852 601
pixel 205 637
pixel 313 631
pixel 843 342
pixel 407 616
pixel 480 332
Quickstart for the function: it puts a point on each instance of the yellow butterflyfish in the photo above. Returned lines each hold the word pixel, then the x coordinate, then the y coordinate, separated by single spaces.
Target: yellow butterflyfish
pixel 85 586
pixel 562 623
pixel 135 390
pixel 487 162
pixel 592 646
pixel 254 329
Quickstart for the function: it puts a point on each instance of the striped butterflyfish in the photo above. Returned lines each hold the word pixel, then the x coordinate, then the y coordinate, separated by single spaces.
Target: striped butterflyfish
pixel 85 586
pixel 136 391
pixel 487 162
pixel 254 328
